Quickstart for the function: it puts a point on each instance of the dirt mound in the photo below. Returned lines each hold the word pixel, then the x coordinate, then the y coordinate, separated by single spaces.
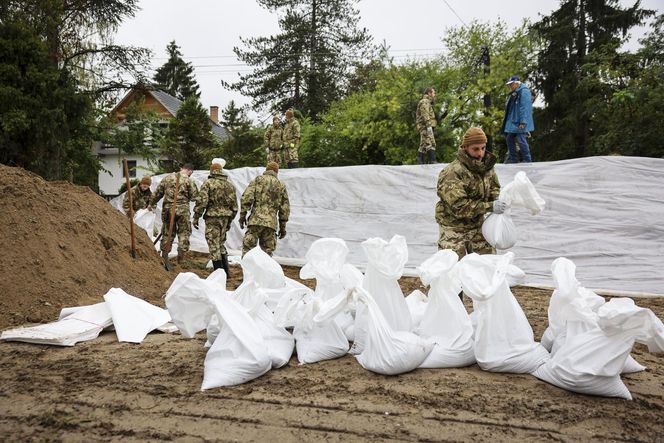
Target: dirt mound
pixel 66 246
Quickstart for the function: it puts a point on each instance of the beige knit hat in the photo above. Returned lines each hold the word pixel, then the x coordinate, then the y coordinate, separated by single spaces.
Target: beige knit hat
pixel 273 166
pixel 473 136
pixel 146 180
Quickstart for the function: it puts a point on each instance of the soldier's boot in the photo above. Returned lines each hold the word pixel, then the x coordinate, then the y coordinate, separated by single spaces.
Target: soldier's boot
pixel 182 256
pixel 432 156
pixel 216 264
pixel 420 158
pixel 290 165
pixel 224 265
pixel 294 165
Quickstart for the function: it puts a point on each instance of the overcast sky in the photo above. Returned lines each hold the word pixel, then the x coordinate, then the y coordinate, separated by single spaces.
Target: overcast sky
pixel 207 30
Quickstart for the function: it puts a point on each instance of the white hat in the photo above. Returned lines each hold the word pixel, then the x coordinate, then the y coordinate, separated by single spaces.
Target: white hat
pixel 219 161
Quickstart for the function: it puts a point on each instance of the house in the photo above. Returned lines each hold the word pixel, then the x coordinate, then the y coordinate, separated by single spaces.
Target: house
pixel 111 176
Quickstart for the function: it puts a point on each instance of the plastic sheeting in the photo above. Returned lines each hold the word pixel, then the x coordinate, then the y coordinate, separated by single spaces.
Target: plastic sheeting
pixel 604 213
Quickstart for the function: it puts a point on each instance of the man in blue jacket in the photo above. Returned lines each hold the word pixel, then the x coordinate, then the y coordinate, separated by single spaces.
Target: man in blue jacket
pixel 518 121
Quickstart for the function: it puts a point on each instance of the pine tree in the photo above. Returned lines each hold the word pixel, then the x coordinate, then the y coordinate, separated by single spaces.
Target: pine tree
pixel 570 34
pixel 188 138
pixel 307 65
pixel 177 76
pixel 242 148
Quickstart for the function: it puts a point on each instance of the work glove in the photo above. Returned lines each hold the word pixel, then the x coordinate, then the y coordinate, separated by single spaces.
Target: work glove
pixel 243 221
pixel 282 232
pixel 292 145
pixel 499 206
pixel 430 130
pixel 195 223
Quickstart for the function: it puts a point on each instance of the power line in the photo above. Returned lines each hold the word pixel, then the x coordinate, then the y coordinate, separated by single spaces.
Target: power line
pixel 455 13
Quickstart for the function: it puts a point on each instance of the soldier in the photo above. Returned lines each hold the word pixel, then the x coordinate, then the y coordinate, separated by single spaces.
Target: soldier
pixel 187 192
pixel 291 139
pixel 218 200
pixel 426 121
pixel 468 188
pixel 273 141
pixel 267 199
pixel 140 196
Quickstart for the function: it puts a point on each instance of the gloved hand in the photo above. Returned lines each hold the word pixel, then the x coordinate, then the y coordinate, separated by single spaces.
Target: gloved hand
pixel 282 232
pixel 195 223
pixel 150 208
pixel 499 206
pixel 292 145
pixel 430 130
pixel 243 221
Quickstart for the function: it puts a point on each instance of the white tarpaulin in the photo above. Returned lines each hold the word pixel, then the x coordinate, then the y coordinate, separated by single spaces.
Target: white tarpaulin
pixel 604 213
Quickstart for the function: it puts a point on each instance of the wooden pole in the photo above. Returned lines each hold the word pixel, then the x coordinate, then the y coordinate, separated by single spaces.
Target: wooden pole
pixel 131 210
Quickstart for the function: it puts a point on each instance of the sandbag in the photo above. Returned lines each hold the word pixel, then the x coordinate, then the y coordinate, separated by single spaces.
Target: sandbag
pixel 417 302
pixel 590 362
pixel 504 340
pixel 499 230
pixel 188 303
pixel 145 219
pixel 239 354
pixel 445 321
pixel 133 318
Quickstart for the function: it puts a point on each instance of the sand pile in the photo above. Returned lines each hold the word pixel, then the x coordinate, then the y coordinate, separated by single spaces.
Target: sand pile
pixel 63 245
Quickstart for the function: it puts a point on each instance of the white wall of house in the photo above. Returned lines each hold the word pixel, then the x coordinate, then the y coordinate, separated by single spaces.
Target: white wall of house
pixel 110 182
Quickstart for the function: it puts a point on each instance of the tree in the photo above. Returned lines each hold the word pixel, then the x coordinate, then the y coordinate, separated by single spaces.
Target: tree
pixel 307 65
pixel 45 122
pixel 177 76
pixel 188 138
pixel 243 147
pixel 571 34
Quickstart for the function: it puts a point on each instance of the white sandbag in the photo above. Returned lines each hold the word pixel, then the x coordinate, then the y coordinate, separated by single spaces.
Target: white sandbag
pixel 133 318
pixel 239 354
pixel 77 324
pixel 386 261
pixel 273 295
pixel 573 310
pixel 387 351
pixel 504 340
pixel 314 342
pixel 188 303
pixel 279 341
pixel 262 269
pixel 325 262
pixel 145 219
pixel 417 302
pixel 499 229
pixel 591 362
pixel 445 321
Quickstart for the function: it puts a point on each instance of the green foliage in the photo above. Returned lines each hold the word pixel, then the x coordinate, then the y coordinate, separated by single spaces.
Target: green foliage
pixel 307 65
pixel 44 119
pixel 244 147
pixel 188 138
pixel 577 33
pixel 123 187
pixel 177 76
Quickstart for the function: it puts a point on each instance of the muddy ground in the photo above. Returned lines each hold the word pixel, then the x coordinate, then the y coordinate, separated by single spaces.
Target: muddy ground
pixel 104 390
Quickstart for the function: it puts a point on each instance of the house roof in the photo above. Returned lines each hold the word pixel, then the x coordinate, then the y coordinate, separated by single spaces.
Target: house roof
pixel 172 105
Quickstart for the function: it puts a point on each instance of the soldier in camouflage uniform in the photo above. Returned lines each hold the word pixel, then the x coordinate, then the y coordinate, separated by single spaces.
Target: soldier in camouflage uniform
pixel 426 121
pixel 272 140
pixel 291 139
pixel 267 199
pixel 187 192
pixel 140 196
pixel 468 189
pixel 217 203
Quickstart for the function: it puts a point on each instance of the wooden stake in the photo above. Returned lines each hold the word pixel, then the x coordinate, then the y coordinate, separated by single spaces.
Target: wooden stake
pixel 131 210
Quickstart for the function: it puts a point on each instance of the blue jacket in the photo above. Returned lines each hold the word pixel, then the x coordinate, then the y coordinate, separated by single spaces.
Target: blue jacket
pixel 518 109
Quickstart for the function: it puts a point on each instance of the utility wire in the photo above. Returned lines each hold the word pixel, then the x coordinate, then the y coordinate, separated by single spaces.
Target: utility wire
pixel 455 13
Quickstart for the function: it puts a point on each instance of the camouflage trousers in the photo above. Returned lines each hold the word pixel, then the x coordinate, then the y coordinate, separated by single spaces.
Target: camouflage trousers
pixel 274 155
pixel 215 235
pixel 291 155
pixel 267 237
pixel 181 228
pixel 427 141
pixel 463 240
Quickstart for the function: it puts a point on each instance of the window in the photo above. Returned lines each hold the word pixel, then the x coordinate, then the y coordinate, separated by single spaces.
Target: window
pixel 131 166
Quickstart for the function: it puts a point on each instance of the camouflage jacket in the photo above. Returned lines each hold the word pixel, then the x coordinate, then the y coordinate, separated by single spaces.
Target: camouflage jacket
pixel 467 188
pixel 424 117
pixel 140 199
pixel 267 199
pixel 166 189
pixel 291 133
pixel 217 197
pixel 272 138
